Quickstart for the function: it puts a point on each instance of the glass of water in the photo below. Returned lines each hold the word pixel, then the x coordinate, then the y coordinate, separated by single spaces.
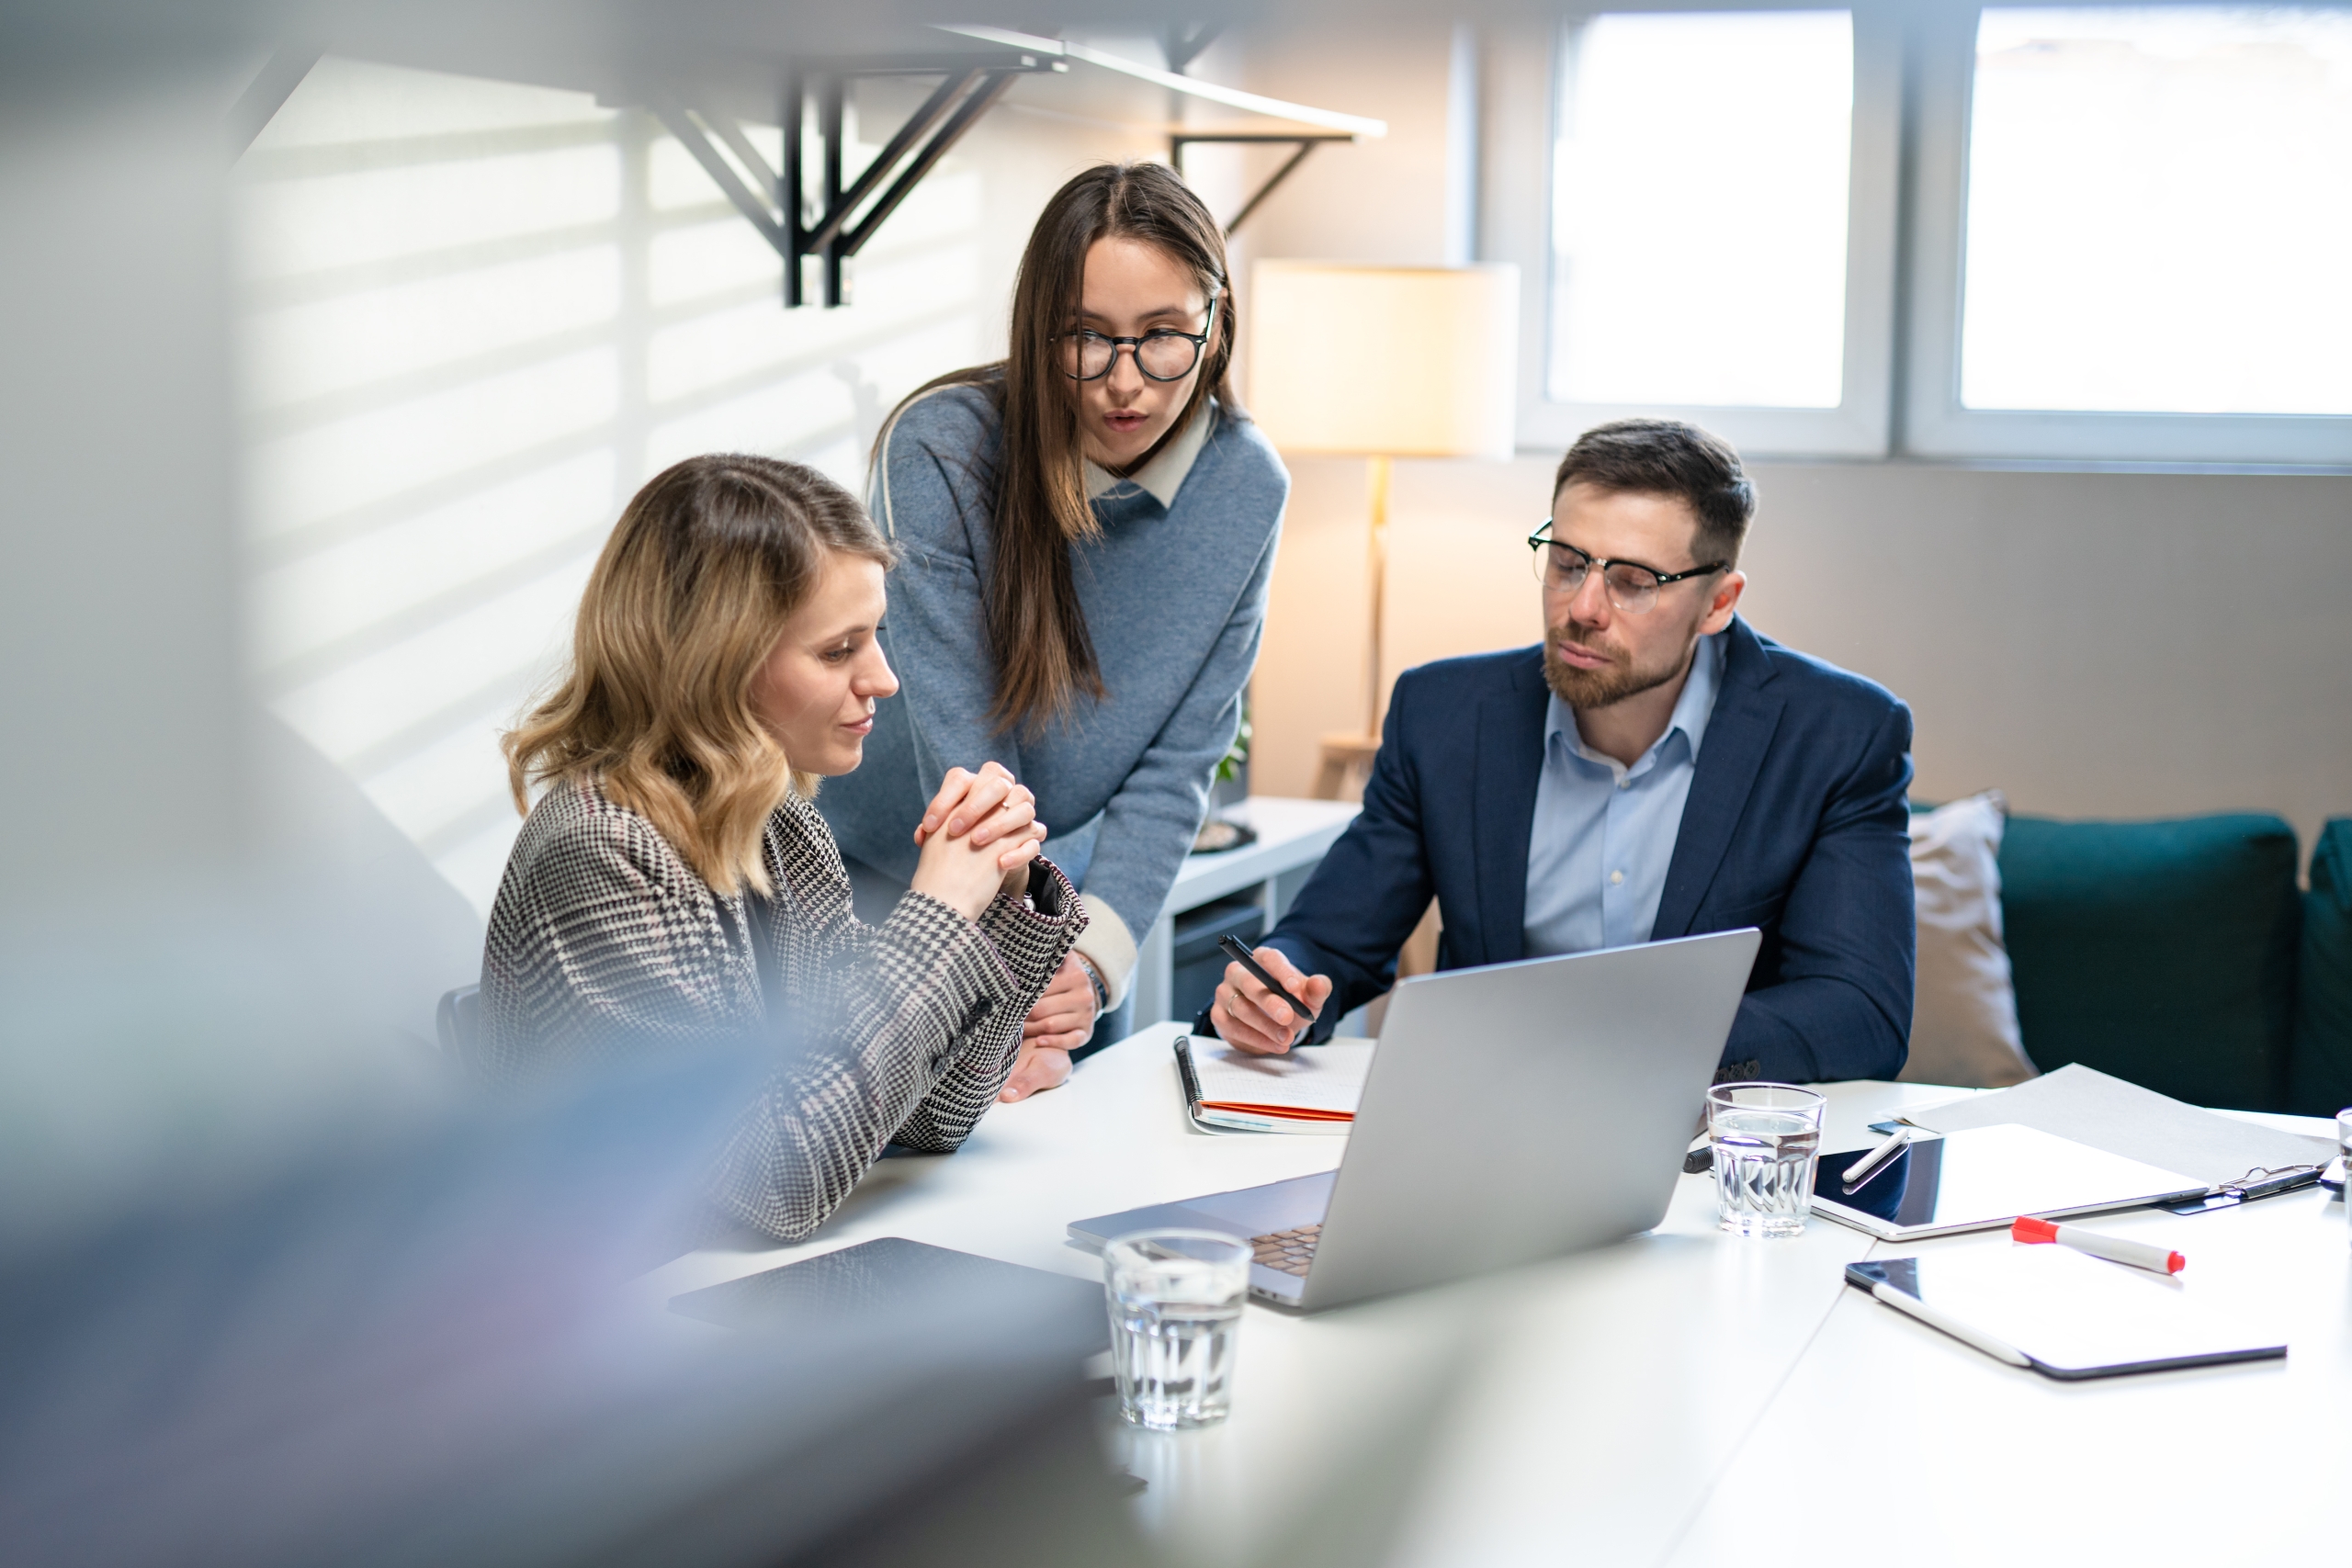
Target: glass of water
pixel 1765 1137
pixel 1175 1299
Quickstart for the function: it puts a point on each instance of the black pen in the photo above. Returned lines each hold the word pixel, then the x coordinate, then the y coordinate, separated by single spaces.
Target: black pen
pixel 1231 947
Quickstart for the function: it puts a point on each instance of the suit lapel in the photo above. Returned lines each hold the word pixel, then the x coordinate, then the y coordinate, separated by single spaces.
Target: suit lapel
pixel 1738 734
pixel 1510 766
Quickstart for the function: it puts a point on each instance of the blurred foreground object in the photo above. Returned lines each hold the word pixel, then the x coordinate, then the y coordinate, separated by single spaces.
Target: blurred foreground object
pixel 424 1348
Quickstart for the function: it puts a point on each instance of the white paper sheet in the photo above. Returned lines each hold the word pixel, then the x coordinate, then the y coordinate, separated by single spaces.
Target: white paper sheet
pixel 1312 1077
pixel 2105 1112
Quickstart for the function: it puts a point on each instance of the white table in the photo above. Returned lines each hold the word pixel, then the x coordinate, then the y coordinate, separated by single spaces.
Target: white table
pixel 1684 1397
pixel 1292 838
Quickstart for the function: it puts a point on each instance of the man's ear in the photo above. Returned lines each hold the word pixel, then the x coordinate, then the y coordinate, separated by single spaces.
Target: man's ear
pixel 1725 603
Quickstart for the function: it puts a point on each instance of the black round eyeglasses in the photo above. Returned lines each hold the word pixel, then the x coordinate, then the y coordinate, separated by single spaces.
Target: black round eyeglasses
pixel 1162 354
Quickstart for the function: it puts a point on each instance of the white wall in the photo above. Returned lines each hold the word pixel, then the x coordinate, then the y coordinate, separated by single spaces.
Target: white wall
pixel 476 317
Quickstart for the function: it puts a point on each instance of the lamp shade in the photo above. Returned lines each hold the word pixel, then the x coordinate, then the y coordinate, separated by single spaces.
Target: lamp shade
pixel 1397 361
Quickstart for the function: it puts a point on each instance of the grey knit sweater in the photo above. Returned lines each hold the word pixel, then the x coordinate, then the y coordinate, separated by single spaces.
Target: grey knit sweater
pixel 1174 592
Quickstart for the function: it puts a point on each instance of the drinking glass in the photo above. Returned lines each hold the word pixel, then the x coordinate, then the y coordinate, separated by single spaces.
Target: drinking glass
pixel 1766 1138
pixel 1175 1298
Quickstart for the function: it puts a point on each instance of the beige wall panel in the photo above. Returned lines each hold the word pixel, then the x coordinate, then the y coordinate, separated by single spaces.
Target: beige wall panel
pixel 1459 575
pixel 1311 676
pixel 1369 202
pixel 2130 645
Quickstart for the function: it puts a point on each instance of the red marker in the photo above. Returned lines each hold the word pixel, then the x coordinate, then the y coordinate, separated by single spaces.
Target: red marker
pixel 2114 1249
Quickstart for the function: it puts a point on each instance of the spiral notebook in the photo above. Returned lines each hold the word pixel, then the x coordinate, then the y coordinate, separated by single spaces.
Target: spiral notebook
pixel 1313 1089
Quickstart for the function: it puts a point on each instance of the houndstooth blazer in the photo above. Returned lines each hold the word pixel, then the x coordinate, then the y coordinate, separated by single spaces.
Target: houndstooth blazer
pixel 605 941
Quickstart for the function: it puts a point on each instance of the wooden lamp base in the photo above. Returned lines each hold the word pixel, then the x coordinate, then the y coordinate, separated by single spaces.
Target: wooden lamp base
pixel 1344 766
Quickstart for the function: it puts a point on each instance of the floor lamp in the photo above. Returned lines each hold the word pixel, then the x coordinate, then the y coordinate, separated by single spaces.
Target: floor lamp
pixel 1380 363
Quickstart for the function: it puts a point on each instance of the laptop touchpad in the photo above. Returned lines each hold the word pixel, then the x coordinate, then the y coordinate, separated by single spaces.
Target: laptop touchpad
pixel 1277 1206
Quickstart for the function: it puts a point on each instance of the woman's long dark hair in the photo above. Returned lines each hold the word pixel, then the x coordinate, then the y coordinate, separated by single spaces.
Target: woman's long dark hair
pixel 1036 630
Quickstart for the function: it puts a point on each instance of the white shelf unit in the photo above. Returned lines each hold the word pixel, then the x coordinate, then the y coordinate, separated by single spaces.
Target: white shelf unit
pixel 1292 838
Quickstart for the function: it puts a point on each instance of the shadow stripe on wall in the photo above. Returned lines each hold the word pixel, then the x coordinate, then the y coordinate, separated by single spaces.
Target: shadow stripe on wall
pixel 496 699
pixel 423 614
pixel 295 544
pixel 448 261
pixel 372 397
pixel 420 615
pixel 322 160
pixel 493 811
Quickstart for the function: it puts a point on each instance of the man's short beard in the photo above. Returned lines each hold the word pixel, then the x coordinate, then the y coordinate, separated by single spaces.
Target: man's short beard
pixel 1611 684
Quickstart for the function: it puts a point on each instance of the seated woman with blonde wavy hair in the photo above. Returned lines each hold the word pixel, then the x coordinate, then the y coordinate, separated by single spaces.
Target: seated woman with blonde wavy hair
pixel 674 887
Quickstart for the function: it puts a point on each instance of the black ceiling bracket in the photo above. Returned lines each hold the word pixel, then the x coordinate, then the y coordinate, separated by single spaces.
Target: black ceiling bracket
pixel 810 209
pixel 803 211
pixel 836 224
pixel 741 186
pixel 1304 140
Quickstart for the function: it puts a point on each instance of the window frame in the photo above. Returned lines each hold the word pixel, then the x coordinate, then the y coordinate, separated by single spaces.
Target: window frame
pixel 1936 423
pixel 1525 112
pixel 1906 217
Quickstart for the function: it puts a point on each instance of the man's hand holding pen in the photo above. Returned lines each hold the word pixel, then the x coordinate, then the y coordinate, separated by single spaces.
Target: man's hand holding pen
pixel 1267 1011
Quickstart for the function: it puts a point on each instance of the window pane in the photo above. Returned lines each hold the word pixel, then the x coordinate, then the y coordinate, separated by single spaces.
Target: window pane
pixel 2158 218
pixel 1699 210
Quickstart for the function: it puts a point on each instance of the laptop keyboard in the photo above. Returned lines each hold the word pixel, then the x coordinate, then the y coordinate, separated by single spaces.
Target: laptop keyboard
pixel 1290 1251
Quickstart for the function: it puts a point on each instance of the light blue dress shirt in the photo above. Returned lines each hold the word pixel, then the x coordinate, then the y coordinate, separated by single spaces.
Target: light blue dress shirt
pixel 1604 833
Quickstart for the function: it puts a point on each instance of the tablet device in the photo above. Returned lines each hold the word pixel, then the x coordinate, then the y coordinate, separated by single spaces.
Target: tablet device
pixel 2064 1315
pixel 892 1274
pixel 1985 1177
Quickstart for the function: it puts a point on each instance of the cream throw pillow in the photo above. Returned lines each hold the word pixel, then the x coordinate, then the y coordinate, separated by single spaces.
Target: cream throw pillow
pixel 1964 1013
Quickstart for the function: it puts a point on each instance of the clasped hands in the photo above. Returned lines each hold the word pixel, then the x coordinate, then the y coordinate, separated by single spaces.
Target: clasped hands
pixel 977 837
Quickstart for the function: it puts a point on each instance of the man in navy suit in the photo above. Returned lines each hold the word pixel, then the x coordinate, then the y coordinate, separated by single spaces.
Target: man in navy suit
pixel 1653 769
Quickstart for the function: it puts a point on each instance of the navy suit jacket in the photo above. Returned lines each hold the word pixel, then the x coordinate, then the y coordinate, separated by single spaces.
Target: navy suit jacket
pixel 1796 823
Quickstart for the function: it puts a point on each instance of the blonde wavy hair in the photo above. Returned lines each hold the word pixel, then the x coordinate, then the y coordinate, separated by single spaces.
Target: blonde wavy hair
pixel 687 600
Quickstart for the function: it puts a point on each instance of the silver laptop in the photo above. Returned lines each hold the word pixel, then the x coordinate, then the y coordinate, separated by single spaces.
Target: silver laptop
pixel 1513 1113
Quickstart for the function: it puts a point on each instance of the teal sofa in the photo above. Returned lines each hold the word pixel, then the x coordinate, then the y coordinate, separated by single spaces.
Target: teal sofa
pixel 2182 955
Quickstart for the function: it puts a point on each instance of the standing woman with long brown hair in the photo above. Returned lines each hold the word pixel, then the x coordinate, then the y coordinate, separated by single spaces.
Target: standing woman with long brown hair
pixel 1086 529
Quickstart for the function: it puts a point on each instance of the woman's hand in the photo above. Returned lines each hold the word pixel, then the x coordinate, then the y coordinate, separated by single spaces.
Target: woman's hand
pixel 992 807
pixel 1036 1069
pixel 1016 880
pixel 989 804
pixel 1064 1015
pixel 978 836
pixel 1060 1023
